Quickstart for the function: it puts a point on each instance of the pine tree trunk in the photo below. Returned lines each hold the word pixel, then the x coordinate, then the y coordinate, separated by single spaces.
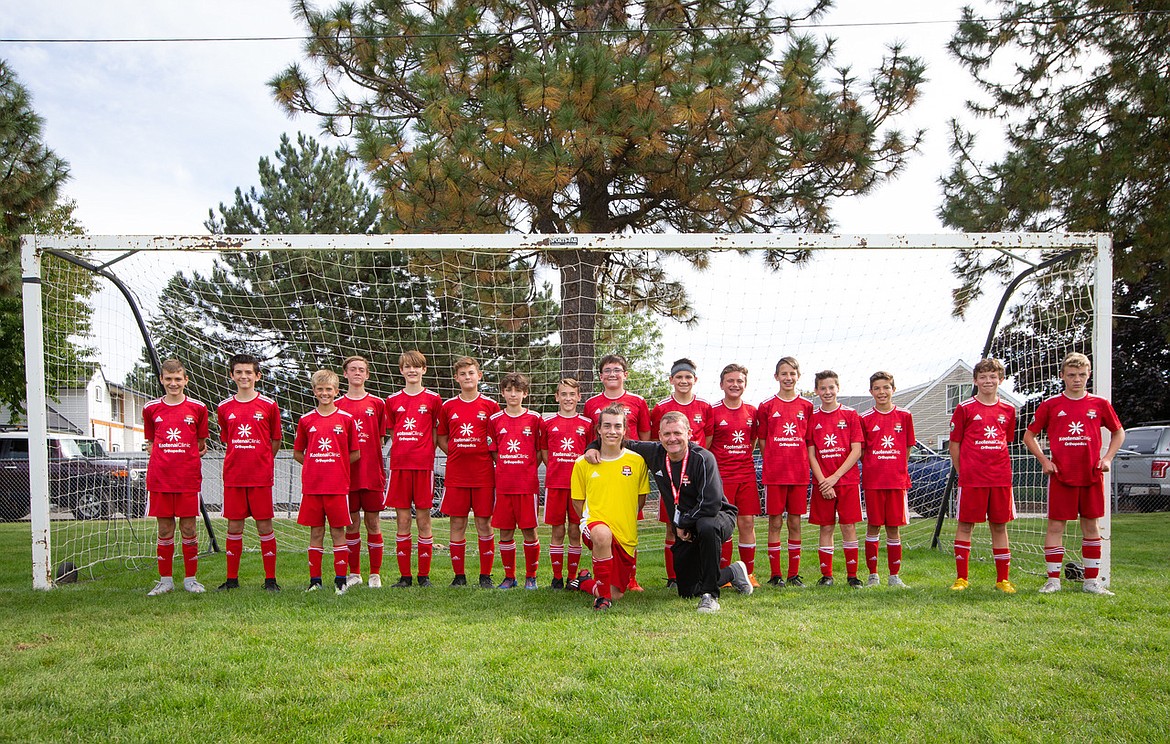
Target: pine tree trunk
pixel 579 271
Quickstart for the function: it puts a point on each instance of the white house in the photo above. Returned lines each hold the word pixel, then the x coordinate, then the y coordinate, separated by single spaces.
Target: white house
pixel 102 409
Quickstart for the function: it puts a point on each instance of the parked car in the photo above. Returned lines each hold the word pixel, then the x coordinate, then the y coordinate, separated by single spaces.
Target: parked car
pixel 83 477
pixel 1141 470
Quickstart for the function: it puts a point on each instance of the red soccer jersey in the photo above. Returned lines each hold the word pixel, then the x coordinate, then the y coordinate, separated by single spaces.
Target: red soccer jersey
pixel 698 413
pixel 326 442
pixel 516 442
pixel 733 442
pixel 465 424
pixel 248 430
pixel 833 435
pixel 782 426
pixel 1073 427
pixel 637 412
pixel 888 439
pixel 369 419
pixel 411 421
pixel 983 433
pixel 174 432
pixel 565 439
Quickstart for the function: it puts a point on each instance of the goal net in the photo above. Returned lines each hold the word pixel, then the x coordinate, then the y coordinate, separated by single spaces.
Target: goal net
pixel 549 306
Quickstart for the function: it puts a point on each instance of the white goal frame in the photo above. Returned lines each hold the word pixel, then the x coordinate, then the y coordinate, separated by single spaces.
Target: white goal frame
pixel 34 245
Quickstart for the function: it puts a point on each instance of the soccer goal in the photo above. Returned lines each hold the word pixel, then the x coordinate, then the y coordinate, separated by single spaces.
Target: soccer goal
pixel 547 306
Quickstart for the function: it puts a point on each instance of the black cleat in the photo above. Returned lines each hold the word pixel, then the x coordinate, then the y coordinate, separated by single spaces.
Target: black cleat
pixel 601 603
pixel 270 585
pixel 459 580
pixel 854 582
pixel 777 581
pixel 794 581
pixel 485 581
pixel 403 582
pixel 574 585
pixel 672 583
pixel 424 581
pixel 557 584
pixel 228 585
pixel 825 581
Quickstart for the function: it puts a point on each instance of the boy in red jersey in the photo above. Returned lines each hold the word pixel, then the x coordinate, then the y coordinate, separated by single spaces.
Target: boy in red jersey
pixel 249 427
pixel 326 446
pixel 515 446
pixel 367 478
pixel 412 415
pixel 1072 422
pixel 698 412
pixel 981 430
pixel 732 442
pixel 564 436
pixel 833 455
pixel 889 435
pixel 782 429
pixel 613 370
pixel 176 434
pixel 470 487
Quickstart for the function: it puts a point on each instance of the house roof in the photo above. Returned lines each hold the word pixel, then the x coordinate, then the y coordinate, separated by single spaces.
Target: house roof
pixel 908 396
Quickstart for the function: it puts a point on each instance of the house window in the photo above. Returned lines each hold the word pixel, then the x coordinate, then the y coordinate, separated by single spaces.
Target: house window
pixel 118 407
pixel 97 395
pixel 955 396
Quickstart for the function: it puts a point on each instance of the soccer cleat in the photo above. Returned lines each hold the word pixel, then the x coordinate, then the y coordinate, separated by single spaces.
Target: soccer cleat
pixel 1096 586
pixel 353 580
pixel 193 586
pixel 601 603
pixel 1004 586
pixel 854 582
pixel 1051 586
pixel 270 585
pixel 505 584
pixel 574 585
pixel 530 583
pixel 375 581
pixel 314 584
pixel 754 581
pixel 164 585
pixel 557 584
pixel 896 581
pixel 404 582
pixel 873 580
pixel 425 582
pixel 634 586
pixel 707 604
pixel 739 578
pixel 485 581
pixel 795 581
pixel 825 581
pixel 341 584
pixel 228 585
pixel 776 581
pixel 961 584
pixel 672 583
pixel 459 580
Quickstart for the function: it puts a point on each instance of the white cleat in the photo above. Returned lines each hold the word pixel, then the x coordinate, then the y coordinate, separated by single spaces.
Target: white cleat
pixel 1096 586
pixel 353 580
pixel 896 582
pixel 874 580
pixel 375 581
pixel 1051 586
pixel 164 586
pixel 193 586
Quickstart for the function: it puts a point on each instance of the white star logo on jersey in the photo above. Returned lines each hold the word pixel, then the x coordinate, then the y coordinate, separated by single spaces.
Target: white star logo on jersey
pixel 888 441
pixel 513 445
pixel 1092 413
pixel 567 444
pixel 1076 427
pixel 789 428
pixel 990 432
pixel 231 417
pixel 466 430
pixel 737 437
pixel 408 424
pixel 174 435
pixel 325 444
pixel 830 440
pixel 357 424
pixel 244 431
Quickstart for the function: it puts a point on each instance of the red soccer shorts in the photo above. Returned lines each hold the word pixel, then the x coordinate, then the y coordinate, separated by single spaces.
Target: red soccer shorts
pixel 846 508
pixel 623 562
pixel 514 510
pixel 886 507
pixel 786 498
pixel 316 508
pixel 411 488
pixel 459 501
pixel 986 504
pixel 241 502
pixel 1067 502
pixel 366 499
pixel 745 497
pixel 170 505
pixel 558 507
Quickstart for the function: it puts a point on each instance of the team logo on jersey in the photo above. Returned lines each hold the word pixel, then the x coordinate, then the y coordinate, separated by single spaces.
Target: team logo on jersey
pixel 408 424
pixel 481 416
pixel 686 481
pixel 370 411
pixel 527 431
pixel 338 429
pixel 245 431
pixel 1092 413
pixel 887 442
pixel 580 431
pixel 357 424
pixel 231 417
pixel 990 432
pixel 1001 419
pixel 174 435
pixel 513 445
pixel 467 430
pixel 422 408
pixel 567 444
pixel 189 420
pixel 800 415
pixel 626 470
pixel 897 427
pixel 789 428
pixel 830 440
pixel 258 415
pixel 841 424
pixel 698 419
pixel 1076 427
pixel 738 437
pixel 325 444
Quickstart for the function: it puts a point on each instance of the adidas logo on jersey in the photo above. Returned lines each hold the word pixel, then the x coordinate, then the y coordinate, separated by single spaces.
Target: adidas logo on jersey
pixel 401 409
pixel 158 419
pixel 312 429
pixel 231 417
pixel 816 427
pixel 876 428
pixel 454 416
pixel 595 474
pixel 775 414
pixel 1061 413
pixel 723 423
pixel 977 417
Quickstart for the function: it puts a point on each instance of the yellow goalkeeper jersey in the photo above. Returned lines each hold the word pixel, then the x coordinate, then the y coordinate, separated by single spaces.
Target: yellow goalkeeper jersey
pixel 610 490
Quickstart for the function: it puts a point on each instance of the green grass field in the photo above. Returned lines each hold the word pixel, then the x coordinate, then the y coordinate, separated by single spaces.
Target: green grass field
pixel 101 661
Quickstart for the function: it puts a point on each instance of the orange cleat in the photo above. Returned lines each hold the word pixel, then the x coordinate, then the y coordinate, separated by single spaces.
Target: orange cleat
pixel 634 586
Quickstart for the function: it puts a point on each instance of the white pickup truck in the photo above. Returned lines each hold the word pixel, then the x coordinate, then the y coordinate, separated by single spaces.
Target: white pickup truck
pixel 1141 470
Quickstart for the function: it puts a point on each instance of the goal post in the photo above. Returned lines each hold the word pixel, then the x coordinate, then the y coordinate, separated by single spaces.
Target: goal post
pixel 854 303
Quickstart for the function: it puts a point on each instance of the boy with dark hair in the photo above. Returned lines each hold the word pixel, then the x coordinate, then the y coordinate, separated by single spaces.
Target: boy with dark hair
pixel 367 481
pixel 833 455
pixel 889 436
pixel 412 417
pixel 249 427
pixel 1072 422
pixel 564 435
pixel 734 425
pixel 515 438
pixel 176 434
